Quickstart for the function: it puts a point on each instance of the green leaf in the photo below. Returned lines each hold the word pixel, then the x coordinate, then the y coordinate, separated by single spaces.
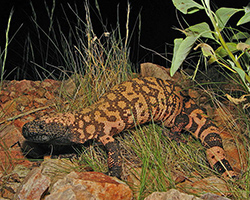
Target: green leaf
pixel 202 29
pixel 175 67
pixel 241 73
pixel 247 41
pixel 222 52
pixel 181 50
pixel 187 6
pixel 246 17
pixel 241 35
pixel 224 14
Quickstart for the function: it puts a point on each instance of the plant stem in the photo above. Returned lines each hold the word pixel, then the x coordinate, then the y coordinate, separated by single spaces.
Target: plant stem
pixel 6 47
pixel 221 39
pixel 224 45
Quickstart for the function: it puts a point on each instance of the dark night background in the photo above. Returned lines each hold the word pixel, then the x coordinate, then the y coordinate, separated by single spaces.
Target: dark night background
pixel 158 19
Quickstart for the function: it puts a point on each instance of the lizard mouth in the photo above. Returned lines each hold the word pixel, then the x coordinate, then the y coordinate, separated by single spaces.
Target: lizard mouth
pixel 26 132
pixel 39 139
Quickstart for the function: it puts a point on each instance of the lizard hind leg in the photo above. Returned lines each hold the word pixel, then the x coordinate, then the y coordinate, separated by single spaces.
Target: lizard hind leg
pixel 114 158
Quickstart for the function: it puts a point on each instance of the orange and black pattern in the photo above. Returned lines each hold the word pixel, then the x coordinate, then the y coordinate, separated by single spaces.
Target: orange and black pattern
pixel 128 104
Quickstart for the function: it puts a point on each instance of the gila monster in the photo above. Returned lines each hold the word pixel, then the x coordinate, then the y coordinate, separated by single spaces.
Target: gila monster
pixel 126 105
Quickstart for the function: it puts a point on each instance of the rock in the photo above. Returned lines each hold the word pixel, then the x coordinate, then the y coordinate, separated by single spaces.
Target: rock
pixel 10 182
pixel 233 145
pixel 210 196
pixel 10 135
pixel 50 83
pixel 154 70
pixel 23 86
pixel 68 188
pixel 10 152
pixel 235 152
pixel 4 96
pixel 69 86
pixel 211 184
pixel 194 94
pixel 21 171
pixel 10 158
pixel 49 95
pixel 33 186
pixel 8 108
pixel 89 185
pixel 57 169
pixel 172 194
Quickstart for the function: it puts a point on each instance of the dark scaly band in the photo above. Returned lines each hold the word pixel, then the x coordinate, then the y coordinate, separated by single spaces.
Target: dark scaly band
pixel 213 140
pixel 222 165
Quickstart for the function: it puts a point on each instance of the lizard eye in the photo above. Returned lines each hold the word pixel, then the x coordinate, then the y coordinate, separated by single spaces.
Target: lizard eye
pixel 45 138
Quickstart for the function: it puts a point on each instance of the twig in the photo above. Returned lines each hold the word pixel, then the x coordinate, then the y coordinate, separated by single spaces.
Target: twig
pixel 23 114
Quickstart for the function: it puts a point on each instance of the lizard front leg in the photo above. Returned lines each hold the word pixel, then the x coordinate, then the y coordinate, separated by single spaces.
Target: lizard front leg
pixel 114 158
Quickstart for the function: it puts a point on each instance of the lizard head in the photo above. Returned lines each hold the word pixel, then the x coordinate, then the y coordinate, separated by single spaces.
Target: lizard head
pixel 48 131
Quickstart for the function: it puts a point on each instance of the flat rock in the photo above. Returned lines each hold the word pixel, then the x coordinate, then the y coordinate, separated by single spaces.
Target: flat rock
pixel 210 196
pixel 89 185
pixel 33 186
pixel 211 184
pixel 172 194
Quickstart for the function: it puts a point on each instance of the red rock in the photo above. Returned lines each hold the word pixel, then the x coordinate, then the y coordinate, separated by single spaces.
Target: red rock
pixel 210 196
pixel 19 123
pixel 48 95
pixel 236 155
pixel 10 152
pixel 33 186
pixel 90 185
pixel 211 184
pixel 154 70
pixel 10 158
pixel 23 86
pixel 9 136
pixel 4 96
pixel 175 194
pixel 11 85
pixel 9 107
pixel 12 94
pixel 23 100
pixel 171 195
pixel 193 93
pixel 49 82
pixel 40 92
pixel 10 182
pixel 41 101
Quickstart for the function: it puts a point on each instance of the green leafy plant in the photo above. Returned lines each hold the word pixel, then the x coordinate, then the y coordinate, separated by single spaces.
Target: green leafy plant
pixel 233 53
